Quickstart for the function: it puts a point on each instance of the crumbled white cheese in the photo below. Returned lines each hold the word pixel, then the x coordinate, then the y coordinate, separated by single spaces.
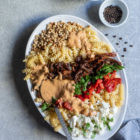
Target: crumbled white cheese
pixel 77 123
pixel 88 134
pixel 76 132
pixel 87 119
pixel 92 107
pixel 73 121
pixel 105 105
pixel 113 109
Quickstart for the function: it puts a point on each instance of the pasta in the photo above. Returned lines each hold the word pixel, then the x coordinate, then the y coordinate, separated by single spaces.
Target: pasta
pixel 119 102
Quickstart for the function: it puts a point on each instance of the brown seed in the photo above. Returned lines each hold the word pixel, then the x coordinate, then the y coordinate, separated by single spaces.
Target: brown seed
pixel 106 34
pixel 130 45
pixel 120 38
pixel 124 49
pixel 117 43
pixel 125 42
pixel 114 36
pixel 122 55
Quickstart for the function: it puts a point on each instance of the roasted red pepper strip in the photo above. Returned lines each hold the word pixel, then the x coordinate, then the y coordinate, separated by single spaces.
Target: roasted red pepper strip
pixel 118 80
pixel 98 83
pixel 110 85
pixel 91 89
pixel 80 97
pixel 59 103
pixel 101 85
pixel 113 74
pixel 67 105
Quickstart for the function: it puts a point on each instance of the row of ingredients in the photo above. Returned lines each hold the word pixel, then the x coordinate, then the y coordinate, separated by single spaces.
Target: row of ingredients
pixel 73 85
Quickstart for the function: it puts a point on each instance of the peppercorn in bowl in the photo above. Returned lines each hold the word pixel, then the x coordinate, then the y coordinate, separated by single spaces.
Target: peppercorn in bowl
pixel 113 13
pixel 71 65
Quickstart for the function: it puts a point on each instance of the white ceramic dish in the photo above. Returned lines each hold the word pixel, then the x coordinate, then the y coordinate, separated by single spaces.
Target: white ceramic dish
pixel 121 113
pixel 119 3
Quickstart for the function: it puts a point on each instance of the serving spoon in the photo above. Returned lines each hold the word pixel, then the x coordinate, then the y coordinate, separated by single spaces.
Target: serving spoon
pixel 65 129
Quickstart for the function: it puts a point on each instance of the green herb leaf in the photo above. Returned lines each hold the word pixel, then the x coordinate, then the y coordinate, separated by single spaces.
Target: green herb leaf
pixel 53 100
pixel 84 131
pixel 93 134
pixel 106 122
pixel 93 121
pixel 69 129
pixel 103 118
pixel 45 106
pixel 82 85
pixel 108 126
pixel 110 120
pixel 87 126
pixel 95 126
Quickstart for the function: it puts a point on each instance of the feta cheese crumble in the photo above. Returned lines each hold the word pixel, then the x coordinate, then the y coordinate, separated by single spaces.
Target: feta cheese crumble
pixel 90 126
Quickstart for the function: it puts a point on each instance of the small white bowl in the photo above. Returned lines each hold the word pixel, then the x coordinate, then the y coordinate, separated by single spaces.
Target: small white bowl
pixel 119 3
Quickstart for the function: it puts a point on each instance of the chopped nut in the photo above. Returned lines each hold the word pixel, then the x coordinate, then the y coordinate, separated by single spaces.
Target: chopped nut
pixel 56 33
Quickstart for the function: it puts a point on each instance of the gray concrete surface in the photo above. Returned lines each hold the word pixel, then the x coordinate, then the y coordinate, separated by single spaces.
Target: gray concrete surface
pixel 19 119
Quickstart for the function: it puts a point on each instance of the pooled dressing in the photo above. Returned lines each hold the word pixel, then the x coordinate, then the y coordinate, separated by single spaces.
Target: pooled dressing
pixel 64 89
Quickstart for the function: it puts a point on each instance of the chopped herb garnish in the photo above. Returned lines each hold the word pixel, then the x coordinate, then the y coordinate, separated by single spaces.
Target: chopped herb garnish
pixel 103 118
pixel 45 106
pixel 95 126
pixel 69 129
pixel 93 121
pixel 106 122
pixel 87 126
pixel 84 131
pixel 108 126
pixel 110 120
pixel 82 85
pixel 53 100
pixel 93 134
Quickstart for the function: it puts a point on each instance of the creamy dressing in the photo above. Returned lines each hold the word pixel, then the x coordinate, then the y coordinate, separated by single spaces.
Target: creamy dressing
pixel 79 40
pixel 64 90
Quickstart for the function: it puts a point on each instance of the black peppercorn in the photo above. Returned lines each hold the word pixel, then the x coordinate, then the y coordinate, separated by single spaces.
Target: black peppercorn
pixel 113 14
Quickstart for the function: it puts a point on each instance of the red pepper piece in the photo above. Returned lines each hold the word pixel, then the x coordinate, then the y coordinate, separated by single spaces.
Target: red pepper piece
pixel 110 75
pixel 113 74
pixel 110 85
pixel 98 82
pixel 67 105
pixel 86 96
pixel 101 85
pixel 80 97
pixel 106 77
pixel 59 103
pixel 85 92
pixel 98 90
pixel 118 80
pixel 91 89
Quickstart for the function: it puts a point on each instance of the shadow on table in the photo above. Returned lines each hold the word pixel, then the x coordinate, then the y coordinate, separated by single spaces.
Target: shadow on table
pixel 18 66
pixel 92 11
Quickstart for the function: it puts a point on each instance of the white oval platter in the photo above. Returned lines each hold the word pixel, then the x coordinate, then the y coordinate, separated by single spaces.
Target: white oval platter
pixel 66 18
